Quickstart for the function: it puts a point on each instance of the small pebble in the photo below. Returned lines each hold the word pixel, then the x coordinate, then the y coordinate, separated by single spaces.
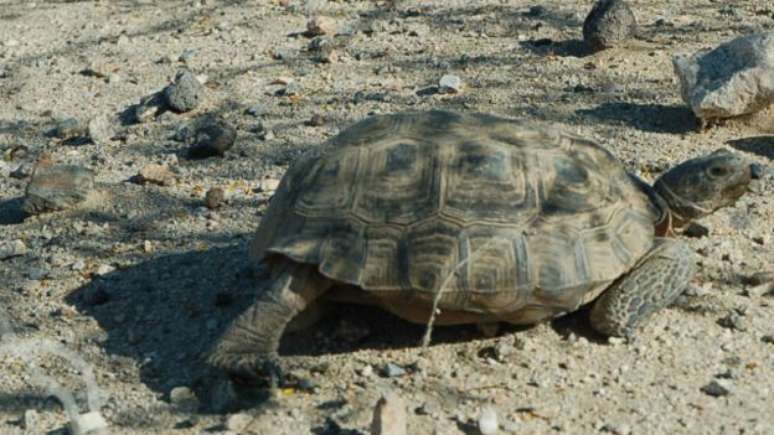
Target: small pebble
pixel 316 120
pixel 256 110
pixel 615 428
pixel 187 55
pixel 30 420
pixel 323 49
pixel 449 84
pixel 238 422
pixel 503 349
pixel 214 198
pixel 487 421
pixel 91 423
pixel 696 230
pixel 100 130
pixel 185 93
pixel 428 408
pixel 320 25
pixel 760 278
pixel 292 89
pixel 16 152
pixel 733 320
pixel 22 171
pixel 284 54
pixel 104 269
pixel 718 388
pixel 389 416
pixel 367 371
pixel 696 291
pixel 615 341
pixel 68 128
pixel 12 248
pixel 212 138
pixel 768 339
pixel 154 174
pixel 393 370
pixel 184 398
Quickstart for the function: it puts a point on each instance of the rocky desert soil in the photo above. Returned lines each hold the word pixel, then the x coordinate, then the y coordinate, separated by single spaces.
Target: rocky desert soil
pixel 135 285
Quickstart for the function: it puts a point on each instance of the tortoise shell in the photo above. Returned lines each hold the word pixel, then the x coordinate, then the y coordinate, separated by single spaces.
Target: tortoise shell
pixel 503 217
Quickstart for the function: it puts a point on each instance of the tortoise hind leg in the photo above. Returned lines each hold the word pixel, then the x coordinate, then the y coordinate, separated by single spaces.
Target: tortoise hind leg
pixel 652 285
pixel 248 348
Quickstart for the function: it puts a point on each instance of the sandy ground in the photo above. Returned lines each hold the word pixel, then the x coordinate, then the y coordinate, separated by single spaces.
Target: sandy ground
pixel 141 283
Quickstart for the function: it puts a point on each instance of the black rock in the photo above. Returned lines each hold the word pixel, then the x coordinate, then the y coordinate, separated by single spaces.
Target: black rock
pixel 610 23
pixel 212 138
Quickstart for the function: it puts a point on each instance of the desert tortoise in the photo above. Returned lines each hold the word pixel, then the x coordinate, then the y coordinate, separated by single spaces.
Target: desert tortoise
pixel 485 218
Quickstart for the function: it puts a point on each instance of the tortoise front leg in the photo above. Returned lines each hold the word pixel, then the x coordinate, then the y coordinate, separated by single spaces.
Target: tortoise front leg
pixel 652 285
pixel 248 348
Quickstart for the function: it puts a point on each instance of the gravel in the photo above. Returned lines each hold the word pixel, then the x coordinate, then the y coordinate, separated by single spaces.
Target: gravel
pixel 147 324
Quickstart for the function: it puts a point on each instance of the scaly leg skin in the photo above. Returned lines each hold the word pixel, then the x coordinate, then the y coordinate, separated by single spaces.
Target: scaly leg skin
pixel 248 348
pixel 652 285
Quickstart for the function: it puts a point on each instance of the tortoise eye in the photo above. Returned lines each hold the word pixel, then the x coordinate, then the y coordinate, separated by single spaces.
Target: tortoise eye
pixel 718 171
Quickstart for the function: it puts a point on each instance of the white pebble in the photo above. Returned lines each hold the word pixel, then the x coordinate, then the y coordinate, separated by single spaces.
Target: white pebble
pixel 91 423
pixel 487 421
pixel 450 84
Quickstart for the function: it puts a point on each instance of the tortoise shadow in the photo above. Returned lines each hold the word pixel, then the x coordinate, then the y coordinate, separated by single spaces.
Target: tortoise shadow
pixel 165 314
pixel 577 324
pixel 656 118
pixel 760 145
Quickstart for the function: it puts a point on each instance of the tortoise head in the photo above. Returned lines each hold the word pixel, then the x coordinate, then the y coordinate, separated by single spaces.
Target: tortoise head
pixel 699 186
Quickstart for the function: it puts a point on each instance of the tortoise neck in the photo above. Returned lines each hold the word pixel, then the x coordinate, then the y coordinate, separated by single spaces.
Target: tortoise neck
pixel 663 217
pixel 670 219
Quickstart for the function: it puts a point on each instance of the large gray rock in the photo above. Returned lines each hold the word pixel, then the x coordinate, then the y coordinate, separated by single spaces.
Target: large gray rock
pixel 733 79
pixel 57 187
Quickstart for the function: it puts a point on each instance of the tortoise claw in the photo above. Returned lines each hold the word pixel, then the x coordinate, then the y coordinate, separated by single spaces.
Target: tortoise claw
pixel 262 373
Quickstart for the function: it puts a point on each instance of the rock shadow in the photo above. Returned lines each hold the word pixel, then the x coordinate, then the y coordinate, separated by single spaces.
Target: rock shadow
pixel 656 118
pixel 547 46
pixel 11 212
pixel 760 145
